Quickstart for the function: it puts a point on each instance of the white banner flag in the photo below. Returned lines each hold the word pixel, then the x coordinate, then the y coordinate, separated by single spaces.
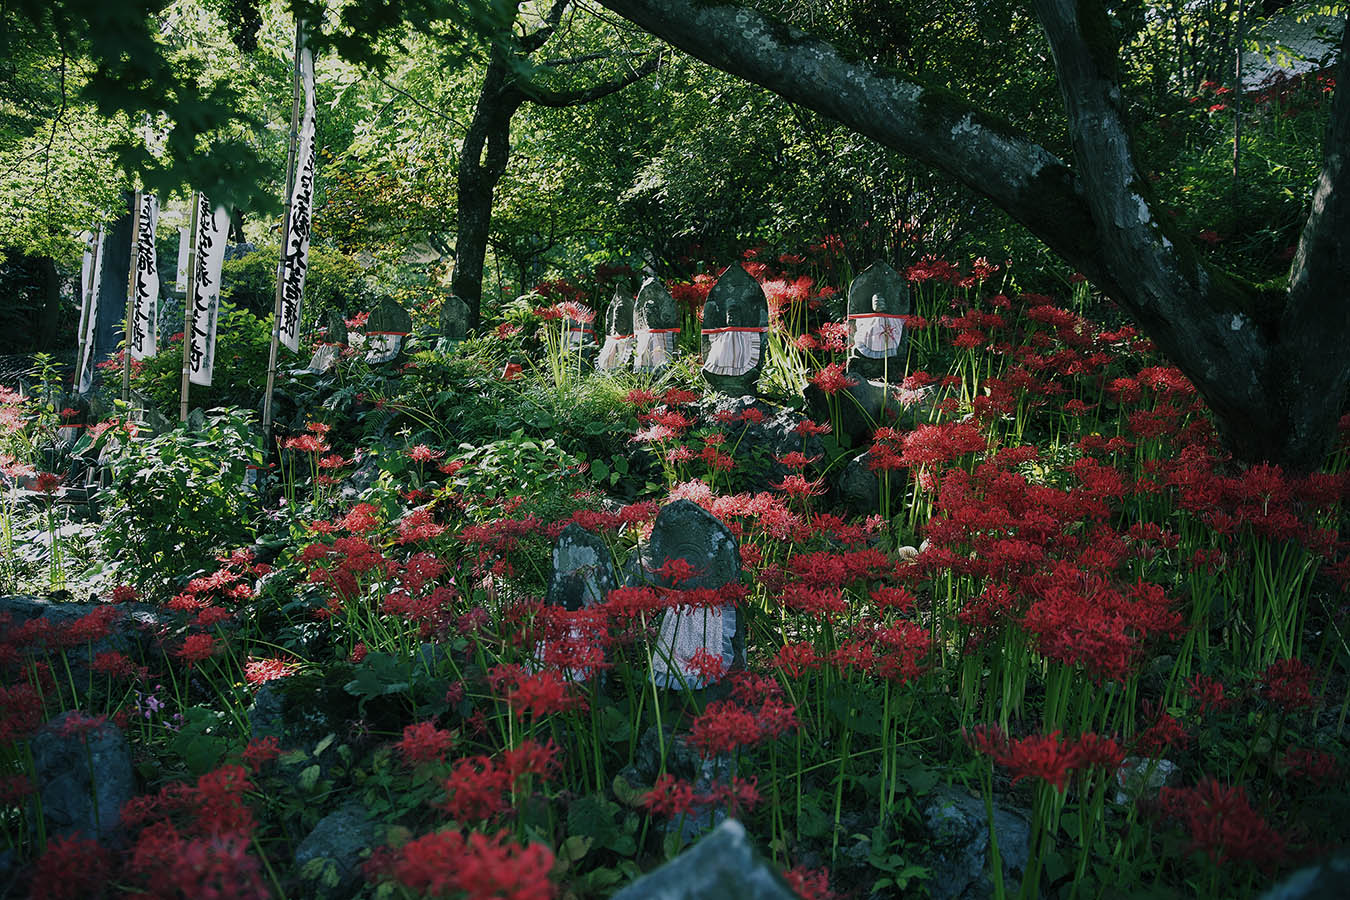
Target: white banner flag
pixel 212 229
pixel 91 273
pixel 184 246
pixel 295 255
pixel 145 283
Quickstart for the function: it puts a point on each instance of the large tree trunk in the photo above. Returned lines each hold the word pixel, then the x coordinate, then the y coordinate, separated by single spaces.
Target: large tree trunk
pixel 1273 367
pixel 482 162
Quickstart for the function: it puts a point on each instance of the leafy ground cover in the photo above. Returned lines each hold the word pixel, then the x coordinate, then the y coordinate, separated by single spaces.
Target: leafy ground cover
pixel 1066 591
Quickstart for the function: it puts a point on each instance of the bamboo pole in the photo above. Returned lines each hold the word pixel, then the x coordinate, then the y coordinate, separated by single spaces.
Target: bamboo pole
pixel 285 240
pixel 189 308
pixel 131 295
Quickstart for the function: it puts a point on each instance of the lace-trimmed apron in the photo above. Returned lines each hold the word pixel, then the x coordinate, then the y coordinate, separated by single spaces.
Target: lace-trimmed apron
pixel 732 350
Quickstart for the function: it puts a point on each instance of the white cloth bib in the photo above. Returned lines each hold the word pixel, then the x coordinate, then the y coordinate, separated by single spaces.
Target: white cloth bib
pixel 877 336
pixel 616 352
pixel 653 350
pixel 732 352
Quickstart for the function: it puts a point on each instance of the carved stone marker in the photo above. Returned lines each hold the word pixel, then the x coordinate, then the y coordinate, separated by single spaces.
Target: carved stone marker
pixel 453 320
pixel 735 328
pixel 335 331
pixel 877 300
pixel 583 570
pixel 583 575
pixel 685 531
pixel 619 336
pixel 656 324
pixel 389 324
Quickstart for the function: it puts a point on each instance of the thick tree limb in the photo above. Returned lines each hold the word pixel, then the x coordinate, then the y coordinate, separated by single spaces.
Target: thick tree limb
pixel 558 99
pixel 1240 346
pixel 1316 319
pixel 539 37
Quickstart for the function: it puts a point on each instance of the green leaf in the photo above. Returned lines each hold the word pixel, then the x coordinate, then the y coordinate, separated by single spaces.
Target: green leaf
pixel 308 778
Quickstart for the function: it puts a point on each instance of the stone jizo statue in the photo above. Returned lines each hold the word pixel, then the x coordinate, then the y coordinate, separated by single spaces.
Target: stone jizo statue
pixel 389 324
pixel 656 323
pixel 878 301
pixel 619 336
pixel 735 328
pixel 686 532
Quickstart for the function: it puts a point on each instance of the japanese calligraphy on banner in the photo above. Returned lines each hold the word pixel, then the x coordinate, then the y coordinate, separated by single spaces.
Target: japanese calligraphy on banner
pixel 145 282
pixel 212 229
pixel 295 255
pixel 91 273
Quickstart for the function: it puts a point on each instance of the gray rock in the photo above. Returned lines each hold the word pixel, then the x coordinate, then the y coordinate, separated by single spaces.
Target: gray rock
pixel 1328 880
pixel 131 633
pixel 878 342
pixel 84 779
pixel 685 531
pixel 583 571
pixel 328 860
pixel 722 865
pixel 356 484
pixel 239 251
pixel 859 486
pixel 959 857
pixel 774 435
pixel 335 331
pixel 655 312
pixel 684 762
pixel 863 406
pixel 1140 777
pixel 736 301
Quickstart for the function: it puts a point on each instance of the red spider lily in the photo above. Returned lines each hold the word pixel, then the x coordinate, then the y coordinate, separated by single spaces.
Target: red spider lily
pixel 832 379
pixel 798 486
pixel 1165 732
pixel 1208 694
pixel 1222 823
pixel 540 694
pixel 806 428
pixel 670 797
pixel 640 398
pixel 725 725
pixel 810 884
pixel 261 671
pixel 259 752
pixel 475 790
pixel 197 648
pixel 423 742
pixel 47 483
pixel 1287 683
pixel 72 868
pixel 1310 765
pixel 797 659
pixel 424 454
pixel 705 666
pixel 1046 757
pixel 474 867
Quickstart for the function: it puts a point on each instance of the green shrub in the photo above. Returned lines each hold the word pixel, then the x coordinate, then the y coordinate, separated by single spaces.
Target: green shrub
pixel 178 499
pixel 240 375
pixel 332 281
